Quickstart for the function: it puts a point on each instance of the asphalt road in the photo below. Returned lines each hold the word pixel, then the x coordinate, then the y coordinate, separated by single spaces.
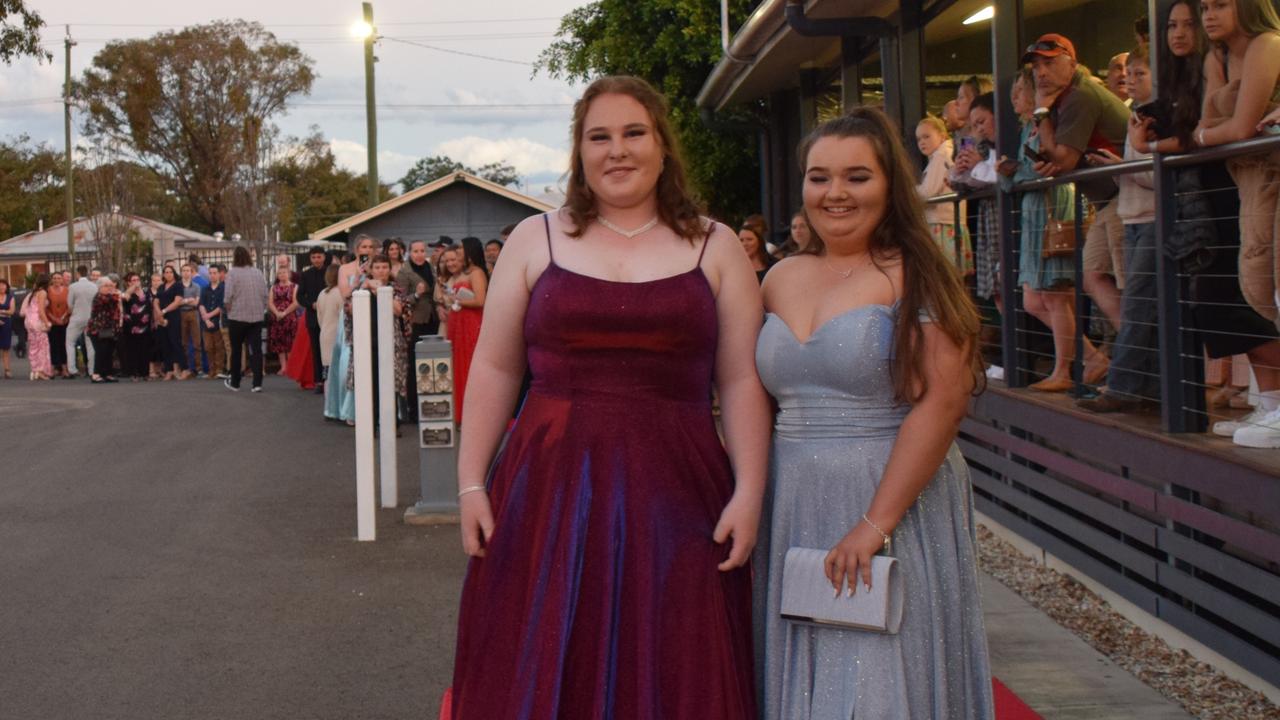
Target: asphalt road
pixel 175 550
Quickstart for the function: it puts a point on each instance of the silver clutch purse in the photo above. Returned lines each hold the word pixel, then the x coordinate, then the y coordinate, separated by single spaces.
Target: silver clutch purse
pixel 807 595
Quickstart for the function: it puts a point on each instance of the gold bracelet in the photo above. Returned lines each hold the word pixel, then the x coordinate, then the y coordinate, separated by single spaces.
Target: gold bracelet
pixel 888 542
pixel 470 489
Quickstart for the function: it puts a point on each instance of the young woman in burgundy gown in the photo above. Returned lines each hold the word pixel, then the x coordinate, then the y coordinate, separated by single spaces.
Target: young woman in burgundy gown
pixel 610 541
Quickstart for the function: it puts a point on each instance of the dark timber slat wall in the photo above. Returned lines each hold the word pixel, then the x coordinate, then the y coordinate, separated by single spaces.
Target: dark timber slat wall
pixel 1187 536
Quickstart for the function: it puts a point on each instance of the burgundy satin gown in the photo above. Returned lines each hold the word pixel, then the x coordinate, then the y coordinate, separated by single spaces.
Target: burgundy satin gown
pixel 599 595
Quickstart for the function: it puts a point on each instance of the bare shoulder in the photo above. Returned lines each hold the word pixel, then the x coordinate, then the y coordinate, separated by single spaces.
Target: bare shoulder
pixel 721 239
pixel 1265 47
pixel 786 274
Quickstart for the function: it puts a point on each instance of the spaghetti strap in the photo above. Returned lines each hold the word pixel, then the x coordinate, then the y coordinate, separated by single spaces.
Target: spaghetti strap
pixel 705 241
pixel 546 222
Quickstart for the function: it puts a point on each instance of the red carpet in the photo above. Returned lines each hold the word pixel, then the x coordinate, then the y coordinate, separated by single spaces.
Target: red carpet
pixel 1010 706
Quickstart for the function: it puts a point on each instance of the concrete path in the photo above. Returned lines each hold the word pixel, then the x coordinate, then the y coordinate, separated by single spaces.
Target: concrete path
pixel 175 550
pixel 1057 673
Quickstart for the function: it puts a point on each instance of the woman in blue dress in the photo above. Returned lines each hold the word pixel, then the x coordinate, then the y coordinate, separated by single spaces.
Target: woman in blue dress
pixel 339 402
pixel 6 325
pixel 1047 283
pixel 869 348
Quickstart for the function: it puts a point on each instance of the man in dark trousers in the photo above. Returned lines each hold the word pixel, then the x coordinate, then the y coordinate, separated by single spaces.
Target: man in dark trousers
pixel 310 285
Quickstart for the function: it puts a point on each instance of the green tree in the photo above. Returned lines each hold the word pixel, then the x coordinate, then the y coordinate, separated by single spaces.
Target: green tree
pixel 197 106
pixel 430 169
pixel 673 44
pixel 311 191
pixel 32 178
pixel 23 37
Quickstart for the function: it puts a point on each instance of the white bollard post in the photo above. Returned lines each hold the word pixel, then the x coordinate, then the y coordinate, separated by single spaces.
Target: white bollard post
pixel 361 345
pixel 387 398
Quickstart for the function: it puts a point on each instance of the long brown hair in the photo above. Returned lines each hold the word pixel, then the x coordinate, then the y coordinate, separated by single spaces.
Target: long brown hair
pixel 1256 17
pixel 930 284
pixel 677 208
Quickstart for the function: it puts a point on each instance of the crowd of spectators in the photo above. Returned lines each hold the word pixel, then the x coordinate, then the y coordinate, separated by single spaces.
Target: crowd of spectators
pixel 1220 74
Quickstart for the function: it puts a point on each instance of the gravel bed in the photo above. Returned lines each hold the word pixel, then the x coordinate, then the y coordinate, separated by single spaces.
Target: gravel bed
pixel 1196 686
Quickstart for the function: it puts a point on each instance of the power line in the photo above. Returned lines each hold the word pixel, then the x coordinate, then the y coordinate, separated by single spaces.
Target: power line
pixel 460 52
pixel 481 21
pixel 433 106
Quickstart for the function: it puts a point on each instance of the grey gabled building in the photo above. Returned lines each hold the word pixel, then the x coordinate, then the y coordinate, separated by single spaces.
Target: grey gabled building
pixel 457 205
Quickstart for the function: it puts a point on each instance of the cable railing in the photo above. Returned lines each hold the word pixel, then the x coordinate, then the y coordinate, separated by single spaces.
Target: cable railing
pixel 1179 299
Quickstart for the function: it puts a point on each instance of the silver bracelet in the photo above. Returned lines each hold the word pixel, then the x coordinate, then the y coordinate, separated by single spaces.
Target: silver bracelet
pixel 470 489
pixel 888 542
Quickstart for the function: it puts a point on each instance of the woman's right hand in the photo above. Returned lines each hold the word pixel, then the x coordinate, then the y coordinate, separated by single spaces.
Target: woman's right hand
pixel 476 520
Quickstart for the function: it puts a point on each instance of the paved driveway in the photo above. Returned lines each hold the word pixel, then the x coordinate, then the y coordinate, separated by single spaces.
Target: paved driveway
pixel 175 550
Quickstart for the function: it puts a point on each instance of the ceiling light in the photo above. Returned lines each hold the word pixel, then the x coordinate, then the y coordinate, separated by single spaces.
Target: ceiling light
pixel 985 13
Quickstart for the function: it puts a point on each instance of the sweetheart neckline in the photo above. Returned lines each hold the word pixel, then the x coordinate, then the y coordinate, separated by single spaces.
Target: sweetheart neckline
pixel 830 320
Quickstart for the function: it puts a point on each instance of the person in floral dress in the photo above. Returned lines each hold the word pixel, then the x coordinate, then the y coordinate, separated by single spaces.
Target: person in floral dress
pixel 284 316
pixel 37 322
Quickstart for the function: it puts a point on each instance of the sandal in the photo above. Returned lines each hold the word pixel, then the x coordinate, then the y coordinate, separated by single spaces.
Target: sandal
pixel 1052 385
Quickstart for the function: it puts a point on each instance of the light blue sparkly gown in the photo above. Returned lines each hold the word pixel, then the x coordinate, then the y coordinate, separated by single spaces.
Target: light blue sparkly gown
pixel 836 425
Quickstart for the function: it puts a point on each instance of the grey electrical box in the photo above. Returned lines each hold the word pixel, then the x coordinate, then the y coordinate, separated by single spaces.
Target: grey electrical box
pixel 437 433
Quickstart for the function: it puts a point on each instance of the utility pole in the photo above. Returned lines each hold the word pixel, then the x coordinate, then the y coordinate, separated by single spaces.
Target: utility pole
pixel 371 113
pixel 71 203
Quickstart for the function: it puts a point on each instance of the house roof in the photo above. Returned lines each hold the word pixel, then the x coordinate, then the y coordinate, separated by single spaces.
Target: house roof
pixel 431 187
pixel 53 240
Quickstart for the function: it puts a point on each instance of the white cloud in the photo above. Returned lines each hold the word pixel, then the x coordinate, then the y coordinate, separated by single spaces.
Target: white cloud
pixel 354 156
pixel 528 157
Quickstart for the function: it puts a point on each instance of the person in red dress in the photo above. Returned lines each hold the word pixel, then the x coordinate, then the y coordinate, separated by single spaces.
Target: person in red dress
pixel 465 296
pixel 609 544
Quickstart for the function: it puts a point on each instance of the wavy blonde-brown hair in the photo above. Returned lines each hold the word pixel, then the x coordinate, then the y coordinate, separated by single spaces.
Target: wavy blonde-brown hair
pixel 931 285
pixel 678 209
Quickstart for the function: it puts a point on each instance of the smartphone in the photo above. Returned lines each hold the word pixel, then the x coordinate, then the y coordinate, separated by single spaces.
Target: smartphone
pixel 966 143
pixel 1034 154
pixel 363 259
pixel 1157 112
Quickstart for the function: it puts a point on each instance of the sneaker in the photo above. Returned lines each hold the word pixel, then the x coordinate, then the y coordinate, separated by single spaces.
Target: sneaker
pixel 256 388
pixel 227 384
pixel 1264 434
pixel 224 376
pixel 201 375
pixel 1228 428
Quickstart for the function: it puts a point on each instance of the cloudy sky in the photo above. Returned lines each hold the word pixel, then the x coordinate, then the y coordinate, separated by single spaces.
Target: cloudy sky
pixel 436 91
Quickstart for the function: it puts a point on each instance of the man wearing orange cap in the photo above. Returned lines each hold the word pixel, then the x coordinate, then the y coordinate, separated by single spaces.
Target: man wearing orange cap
pixel 1074 115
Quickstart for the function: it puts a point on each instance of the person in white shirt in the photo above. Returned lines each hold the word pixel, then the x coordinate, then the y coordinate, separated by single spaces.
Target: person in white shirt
pixel 80 298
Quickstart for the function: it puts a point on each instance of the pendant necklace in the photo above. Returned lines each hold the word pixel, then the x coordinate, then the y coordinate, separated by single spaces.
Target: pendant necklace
pixel 844 274
pixel 629 233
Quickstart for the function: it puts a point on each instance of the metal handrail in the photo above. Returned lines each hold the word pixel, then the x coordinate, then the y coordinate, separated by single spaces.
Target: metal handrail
pixel 980 194
pixel 1264 143
pixel 1102 172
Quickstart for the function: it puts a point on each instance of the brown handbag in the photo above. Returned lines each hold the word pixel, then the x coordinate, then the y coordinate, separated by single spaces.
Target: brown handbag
pixel 1060 235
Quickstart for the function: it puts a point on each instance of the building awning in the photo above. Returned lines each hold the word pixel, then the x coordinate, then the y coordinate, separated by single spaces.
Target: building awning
pixel 766 53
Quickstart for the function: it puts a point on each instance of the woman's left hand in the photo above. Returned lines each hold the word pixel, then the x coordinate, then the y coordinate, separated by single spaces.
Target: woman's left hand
pixel 740 520
pixel 1271 120
pixel 852 556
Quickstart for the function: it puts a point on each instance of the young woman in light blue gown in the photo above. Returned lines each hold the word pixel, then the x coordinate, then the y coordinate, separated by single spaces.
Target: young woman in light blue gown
pixel 339 402
pixel 870 349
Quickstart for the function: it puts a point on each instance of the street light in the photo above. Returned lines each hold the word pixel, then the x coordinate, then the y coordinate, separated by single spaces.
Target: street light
pixel 365 30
